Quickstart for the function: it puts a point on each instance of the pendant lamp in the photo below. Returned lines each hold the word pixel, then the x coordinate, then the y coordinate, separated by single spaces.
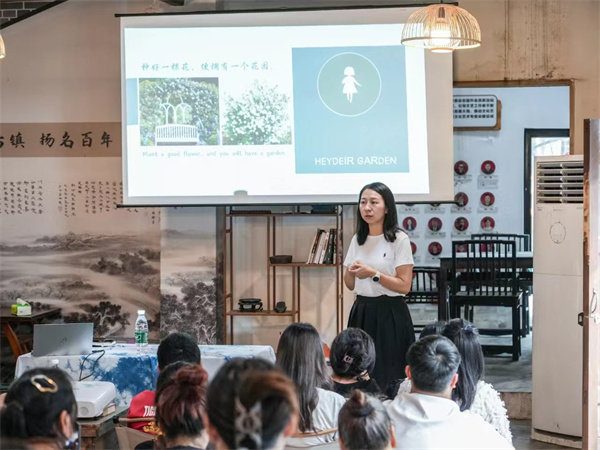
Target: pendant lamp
pixel 2 48
pixel 441 28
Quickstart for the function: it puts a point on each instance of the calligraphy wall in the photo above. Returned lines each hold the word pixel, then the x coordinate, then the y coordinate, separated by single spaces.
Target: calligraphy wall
pixel 63 243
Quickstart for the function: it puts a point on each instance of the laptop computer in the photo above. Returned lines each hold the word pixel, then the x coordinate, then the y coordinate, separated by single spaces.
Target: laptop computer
pixel 61 339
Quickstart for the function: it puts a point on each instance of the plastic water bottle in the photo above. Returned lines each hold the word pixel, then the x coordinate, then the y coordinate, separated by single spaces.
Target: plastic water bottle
pixel 141 332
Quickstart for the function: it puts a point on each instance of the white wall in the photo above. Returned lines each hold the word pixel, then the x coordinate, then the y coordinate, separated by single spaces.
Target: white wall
pixel 522 107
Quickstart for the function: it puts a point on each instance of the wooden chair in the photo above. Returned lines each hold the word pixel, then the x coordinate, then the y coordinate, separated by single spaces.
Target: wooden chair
pixel 525 277
pixel 329 446
pixel 490 280
pixel 18 345
pixel 426 289
pixel 523 241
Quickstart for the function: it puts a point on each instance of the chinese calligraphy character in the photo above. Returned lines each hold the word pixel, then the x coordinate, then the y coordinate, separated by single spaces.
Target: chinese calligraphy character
pixel 106 140
pixel 47 139
pixel 17 140
pixel 87 140
pixel 67 141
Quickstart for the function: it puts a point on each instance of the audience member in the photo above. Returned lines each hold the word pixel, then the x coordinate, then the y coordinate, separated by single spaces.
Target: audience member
pixel 471 392
pixel 391 390
pixel 365 424
pixel 300 356
pixel 433 328
pixel 165 378
pixel 180 406
pixel 352 358
pixel 40 412
pixel 250 405
pixel 175 347
pixel 393 387
pixel 427 418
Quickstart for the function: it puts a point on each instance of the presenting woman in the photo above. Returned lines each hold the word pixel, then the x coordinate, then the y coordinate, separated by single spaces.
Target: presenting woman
pixel 379 270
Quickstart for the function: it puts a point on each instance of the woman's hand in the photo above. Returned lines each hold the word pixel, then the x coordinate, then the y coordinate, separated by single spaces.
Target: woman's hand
pixel 361 271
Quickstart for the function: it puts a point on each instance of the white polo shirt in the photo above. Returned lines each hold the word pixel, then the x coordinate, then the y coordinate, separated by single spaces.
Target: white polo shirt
pixel 382 256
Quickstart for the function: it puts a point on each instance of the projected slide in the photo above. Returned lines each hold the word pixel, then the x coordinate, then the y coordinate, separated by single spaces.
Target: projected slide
pixel 280 112
pixel 353 119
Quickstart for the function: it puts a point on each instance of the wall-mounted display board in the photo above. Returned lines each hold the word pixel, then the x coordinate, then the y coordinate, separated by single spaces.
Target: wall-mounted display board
pixel 476 112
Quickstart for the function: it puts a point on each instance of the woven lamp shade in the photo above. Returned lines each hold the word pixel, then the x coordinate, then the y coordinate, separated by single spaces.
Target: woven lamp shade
pixel 2 49
pixel 441 28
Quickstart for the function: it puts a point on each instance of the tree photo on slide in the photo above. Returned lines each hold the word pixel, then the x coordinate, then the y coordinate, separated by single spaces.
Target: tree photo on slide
pixel 179 101
pixel 260 116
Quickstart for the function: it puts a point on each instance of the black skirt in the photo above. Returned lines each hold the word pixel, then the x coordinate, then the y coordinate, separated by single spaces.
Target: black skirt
pixel 387 320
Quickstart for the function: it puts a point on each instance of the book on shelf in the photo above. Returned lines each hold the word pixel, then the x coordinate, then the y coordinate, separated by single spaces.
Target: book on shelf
pixel 317 256
pixel 315 245
pixel 323 249
pixel 329 253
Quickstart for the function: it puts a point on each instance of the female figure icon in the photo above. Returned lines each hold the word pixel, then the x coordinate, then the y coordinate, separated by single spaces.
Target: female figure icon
pixel 349 83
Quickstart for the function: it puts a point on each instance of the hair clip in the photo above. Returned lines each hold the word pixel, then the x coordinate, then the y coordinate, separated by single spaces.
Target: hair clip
pixel 35 380
pixel 348 359
pixel 365 411
pixel 248 424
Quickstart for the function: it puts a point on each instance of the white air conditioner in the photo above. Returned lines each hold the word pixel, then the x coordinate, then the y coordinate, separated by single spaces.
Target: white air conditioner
pixel 558 295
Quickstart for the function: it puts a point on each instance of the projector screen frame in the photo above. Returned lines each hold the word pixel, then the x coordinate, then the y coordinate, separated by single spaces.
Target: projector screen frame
pixel 278 10
pixel 252 206
pixel 293 199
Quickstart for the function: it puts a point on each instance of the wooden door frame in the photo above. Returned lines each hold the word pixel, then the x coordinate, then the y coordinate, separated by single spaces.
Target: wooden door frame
pixel 591 273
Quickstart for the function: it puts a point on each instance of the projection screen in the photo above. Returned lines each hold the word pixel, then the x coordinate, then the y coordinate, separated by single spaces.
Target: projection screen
pixel 286 107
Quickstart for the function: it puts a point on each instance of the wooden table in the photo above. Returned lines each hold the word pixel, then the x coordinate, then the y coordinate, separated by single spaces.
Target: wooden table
pixel 9 322
pixel 37 315
pixel 100 432
pixel 524 261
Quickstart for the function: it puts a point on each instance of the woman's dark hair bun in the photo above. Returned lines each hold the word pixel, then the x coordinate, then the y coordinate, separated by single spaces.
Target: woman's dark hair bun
pixel 190 375
pixel 358 404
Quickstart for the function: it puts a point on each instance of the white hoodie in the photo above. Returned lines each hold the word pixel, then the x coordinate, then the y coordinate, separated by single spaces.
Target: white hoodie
pixel 429 422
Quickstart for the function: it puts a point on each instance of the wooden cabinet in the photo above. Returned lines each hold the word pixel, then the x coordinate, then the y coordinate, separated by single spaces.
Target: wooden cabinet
pixel 298 267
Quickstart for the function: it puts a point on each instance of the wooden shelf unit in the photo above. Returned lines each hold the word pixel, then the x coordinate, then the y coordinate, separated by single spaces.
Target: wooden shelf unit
pixel 229 307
